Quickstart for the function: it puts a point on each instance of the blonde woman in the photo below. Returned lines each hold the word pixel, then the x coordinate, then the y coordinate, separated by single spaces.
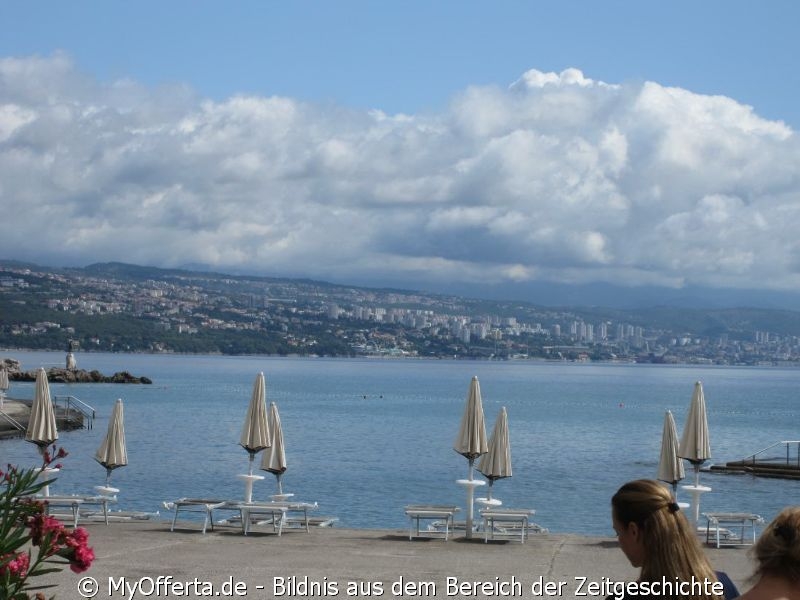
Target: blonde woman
pixel 777 555
pixel 655 535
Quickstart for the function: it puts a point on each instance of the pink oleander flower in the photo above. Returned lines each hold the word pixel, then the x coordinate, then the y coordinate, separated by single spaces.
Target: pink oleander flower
pixel 24 522
pixel 81 559
pixel 43 527
pixel 80 536
pixel 77 550
pixel 53 454
pixel 9 474
pixel 15 567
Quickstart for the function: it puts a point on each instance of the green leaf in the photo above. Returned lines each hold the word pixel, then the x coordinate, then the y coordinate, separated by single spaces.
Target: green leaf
pixel 42 587
pixel 14 540
pixel 49 570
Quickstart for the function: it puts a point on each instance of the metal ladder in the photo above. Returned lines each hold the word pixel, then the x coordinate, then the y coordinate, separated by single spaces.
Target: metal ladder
pixel 72 405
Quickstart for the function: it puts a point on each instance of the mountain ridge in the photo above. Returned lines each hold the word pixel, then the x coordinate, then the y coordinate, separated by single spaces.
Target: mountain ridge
pixel 645 297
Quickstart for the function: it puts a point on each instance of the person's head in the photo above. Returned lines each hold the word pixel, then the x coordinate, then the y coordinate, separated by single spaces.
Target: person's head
pixel 655 535
pixel 777 551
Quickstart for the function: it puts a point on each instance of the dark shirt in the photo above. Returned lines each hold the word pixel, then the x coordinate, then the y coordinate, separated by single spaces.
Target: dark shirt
pixel 728 589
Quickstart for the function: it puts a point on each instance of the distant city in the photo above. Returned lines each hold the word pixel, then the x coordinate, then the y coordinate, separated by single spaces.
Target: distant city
pixel 115 307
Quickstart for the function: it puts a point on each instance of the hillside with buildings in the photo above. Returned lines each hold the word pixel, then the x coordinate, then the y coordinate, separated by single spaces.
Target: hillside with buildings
pixel 126 308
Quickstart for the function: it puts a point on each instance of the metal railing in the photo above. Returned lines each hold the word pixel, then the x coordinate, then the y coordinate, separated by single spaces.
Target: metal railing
pixel 71 405
pixel 755 458
pixel 14 423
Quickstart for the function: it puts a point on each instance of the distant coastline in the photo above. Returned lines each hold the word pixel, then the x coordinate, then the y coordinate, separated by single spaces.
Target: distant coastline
pixel 466 359
pixel 115 307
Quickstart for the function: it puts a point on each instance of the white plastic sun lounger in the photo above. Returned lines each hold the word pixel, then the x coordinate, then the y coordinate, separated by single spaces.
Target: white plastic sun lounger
pixel 506 523
pixel 267 514
pixel 718 524
pixel 430 512
pixel 201 505
pixel 75 504
pixel 278 513
pixel 289 522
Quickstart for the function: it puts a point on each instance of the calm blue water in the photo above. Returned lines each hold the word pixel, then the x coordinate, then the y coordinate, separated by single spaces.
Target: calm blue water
pixel 577 431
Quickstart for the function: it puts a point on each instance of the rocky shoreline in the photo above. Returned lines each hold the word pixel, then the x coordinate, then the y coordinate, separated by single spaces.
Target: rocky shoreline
pixel 63 375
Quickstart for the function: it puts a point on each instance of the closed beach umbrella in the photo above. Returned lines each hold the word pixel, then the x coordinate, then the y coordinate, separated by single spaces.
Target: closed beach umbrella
pixel 112 452
pixel 274 460
pixel 670 466
pixel 471 442
pixel 42 429
pixel 496 463
pixel 695 446
pixel 255 433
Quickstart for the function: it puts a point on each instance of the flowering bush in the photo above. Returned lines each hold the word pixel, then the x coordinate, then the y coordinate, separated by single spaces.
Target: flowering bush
pixel 30 540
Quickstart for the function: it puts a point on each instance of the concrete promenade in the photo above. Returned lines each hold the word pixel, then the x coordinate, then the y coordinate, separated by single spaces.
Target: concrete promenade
pixel 330 562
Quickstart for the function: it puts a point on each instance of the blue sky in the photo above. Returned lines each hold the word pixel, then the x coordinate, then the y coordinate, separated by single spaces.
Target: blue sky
pixel 413 56
pixel 408 143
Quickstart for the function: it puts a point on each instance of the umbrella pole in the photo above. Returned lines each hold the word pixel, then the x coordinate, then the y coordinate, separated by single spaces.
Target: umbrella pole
pixel 280 487
pixel 44 471
pixel 697 493
pixel 470 500
pixel 249 479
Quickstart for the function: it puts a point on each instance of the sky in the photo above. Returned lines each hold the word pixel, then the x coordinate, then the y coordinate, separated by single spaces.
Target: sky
pixel 461 145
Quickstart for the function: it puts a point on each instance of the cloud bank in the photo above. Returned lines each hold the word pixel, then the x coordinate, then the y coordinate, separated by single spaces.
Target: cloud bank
pixel 554 178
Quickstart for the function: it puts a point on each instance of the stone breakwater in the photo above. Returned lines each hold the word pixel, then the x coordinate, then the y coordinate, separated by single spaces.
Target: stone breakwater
pixel 61 375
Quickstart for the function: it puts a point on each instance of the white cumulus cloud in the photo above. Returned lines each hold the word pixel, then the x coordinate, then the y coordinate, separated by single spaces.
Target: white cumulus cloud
pixel 555 177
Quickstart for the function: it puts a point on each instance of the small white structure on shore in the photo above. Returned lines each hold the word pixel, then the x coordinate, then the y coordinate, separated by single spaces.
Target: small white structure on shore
pixel 72 364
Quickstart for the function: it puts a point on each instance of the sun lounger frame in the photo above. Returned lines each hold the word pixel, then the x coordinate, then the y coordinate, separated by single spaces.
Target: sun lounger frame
pixel 517 518
pixel 718 522
pixel 319 521
pixel 75 503
pixel 202 505
pixel 277 513
pixel 276 516
pixel 430 512
pixel 298 508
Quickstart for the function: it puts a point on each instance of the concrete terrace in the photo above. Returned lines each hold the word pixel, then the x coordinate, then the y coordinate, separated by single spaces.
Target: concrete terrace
pixel 352 563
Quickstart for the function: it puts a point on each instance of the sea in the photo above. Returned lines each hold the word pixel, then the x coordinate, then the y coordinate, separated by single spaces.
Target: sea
pixel 365 437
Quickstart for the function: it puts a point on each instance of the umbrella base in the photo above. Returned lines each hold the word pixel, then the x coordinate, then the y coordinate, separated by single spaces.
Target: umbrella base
pixel 489 501
pixel 696 491
pixel 470 484
pixel 44 474
pixel 248 486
